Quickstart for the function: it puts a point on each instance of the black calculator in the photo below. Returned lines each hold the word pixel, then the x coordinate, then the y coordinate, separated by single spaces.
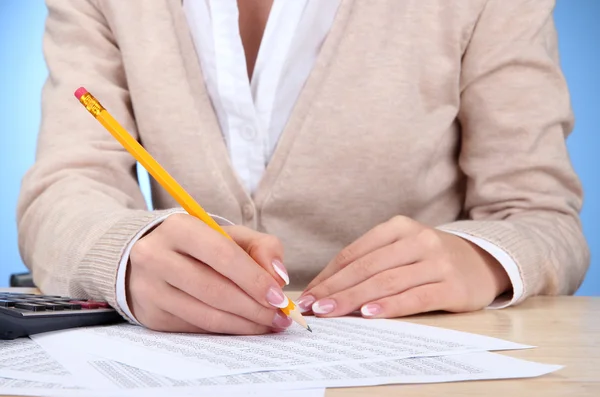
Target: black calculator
pixel 27 314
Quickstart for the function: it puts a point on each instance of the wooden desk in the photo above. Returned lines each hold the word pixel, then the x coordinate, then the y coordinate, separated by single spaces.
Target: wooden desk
pixel 565 329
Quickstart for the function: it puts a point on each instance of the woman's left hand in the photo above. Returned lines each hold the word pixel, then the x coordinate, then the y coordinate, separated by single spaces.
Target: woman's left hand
pixel 402 267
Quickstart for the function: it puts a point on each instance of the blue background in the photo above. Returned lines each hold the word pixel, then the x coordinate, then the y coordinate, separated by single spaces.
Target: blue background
pixel 22 73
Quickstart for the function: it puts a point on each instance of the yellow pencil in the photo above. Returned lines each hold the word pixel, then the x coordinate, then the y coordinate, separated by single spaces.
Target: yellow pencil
pixel 162 176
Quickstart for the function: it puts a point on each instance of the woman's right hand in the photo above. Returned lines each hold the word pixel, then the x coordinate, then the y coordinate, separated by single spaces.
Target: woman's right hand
pixel 185 277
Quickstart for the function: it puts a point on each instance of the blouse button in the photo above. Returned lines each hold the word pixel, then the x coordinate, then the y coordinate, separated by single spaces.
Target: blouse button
pixel 248 133
pixel 248 212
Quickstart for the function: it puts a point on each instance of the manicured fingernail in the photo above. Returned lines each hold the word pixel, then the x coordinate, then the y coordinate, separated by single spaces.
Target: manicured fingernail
pixel 305 303
pixel 324 306
pixel 276 298
pixel 371 310
pixel 280 270
pixel 281 321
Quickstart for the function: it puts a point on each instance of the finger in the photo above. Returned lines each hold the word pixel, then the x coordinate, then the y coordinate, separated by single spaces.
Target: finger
pixel 208 318
pixel 147 311
pixel 265 249
pixel 163 321
pixel 422 299
pixel 208 286
pixel 400 253
pixel 190 236
pixel 388 283
pixel 380 236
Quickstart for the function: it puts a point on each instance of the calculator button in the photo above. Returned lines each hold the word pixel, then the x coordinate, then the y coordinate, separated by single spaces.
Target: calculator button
pixel 7 303
pixel 87 305
pixel 53 306
pixel 69 305
pixel 66 299
pixel 30 306
pixel 21 295
pixel 102 305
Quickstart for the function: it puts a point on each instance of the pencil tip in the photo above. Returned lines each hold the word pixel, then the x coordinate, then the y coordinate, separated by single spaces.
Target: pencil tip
pixel 308 328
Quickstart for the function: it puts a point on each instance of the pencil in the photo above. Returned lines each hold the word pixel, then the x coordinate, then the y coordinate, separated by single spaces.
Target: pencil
pixel 163 177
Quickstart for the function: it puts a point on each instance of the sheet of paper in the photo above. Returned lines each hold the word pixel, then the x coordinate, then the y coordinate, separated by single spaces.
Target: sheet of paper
pixel 25 360
pixel 453 368
pixel 107 377
pixel 19 387
pixel 25 364
pixel 15 387
pixel 334 341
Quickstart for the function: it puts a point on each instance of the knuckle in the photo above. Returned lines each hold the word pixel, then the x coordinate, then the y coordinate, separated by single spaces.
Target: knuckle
pixel 381 230
pixel 178 227
pixel 429 239
pixel 271 241
pixel 143 252
pixel 423 299
pixel 387 282
pixel 344 257
pixel 399 220
pixel 363 267
pixel 172 223
pixel 263 280
pixel 265 242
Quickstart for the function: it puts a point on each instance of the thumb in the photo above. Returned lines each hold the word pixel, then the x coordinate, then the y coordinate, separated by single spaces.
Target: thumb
pixel 265 249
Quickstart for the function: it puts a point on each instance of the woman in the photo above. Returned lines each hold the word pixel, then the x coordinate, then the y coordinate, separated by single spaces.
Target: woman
pixel 410 156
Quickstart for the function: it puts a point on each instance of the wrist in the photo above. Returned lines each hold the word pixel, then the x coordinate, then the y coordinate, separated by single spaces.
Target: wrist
pixel 502 284
pixel 499 276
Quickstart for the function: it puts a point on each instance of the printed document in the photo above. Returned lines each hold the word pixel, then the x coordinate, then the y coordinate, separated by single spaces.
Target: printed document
pixel 334 341
pixel 25 360
pixel 103 377
pixel 14 387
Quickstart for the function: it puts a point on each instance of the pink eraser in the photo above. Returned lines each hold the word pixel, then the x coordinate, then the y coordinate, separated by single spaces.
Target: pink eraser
pixel 80 92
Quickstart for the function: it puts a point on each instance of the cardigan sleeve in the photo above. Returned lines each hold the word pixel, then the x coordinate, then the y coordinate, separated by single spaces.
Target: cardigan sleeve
pixel 80 204
pixel 522 192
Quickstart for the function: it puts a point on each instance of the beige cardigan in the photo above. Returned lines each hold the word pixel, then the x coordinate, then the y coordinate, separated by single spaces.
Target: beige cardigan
pixel 454 113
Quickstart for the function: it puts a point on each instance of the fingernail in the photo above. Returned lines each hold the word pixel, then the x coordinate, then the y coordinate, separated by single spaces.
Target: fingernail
pixel 324 306
pixel 280 270
pixel 281 321
pixel 276 298
pixel 371 310
pixel 305 303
